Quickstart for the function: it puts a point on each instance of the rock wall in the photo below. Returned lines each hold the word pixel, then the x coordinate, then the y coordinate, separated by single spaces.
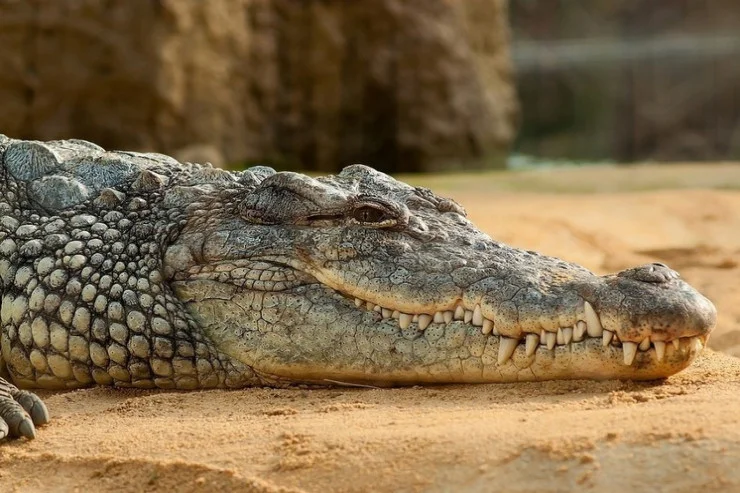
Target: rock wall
pixel 401 85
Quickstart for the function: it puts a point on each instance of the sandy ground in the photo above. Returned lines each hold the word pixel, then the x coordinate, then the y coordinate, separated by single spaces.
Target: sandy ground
pixel 679 435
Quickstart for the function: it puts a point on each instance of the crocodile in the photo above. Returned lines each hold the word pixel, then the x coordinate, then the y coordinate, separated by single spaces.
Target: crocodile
pixel 135 270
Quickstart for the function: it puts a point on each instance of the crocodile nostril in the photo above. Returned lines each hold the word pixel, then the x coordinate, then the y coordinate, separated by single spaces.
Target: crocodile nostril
pixel 653 273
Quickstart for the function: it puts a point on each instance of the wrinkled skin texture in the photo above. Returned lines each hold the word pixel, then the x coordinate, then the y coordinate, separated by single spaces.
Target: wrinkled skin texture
pixel 131 269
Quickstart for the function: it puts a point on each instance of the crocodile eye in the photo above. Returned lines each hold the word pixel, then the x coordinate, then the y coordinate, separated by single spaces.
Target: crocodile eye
pixel 372 212
pixel 369 215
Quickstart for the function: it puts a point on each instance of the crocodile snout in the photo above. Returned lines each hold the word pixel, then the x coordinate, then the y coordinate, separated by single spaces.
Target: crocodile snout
pixel 651 304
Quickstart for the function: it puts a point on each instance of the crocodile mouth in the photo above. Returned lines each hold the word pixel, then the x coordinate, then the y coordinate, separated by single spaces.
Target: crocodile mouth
pixel 583 334
pixel 586 336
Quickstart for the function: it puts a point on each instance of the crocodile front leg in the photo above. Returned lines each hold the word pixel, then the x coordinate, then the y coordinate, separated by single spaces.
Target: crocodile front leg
pixel 20 412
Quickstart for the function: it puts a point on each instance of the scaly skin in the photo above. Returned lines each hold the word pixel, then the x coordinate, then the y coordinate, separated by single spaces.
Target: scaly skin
pixel 131 269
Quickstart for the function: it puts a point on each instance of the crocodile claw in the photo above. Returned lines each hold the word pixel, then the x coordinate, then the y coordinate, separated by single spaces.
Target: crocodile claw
pixel 20 412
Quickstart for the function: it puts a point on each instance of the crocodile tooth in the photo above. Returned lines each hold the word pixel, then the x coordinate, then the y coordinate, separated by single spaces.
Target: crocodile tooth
pixel 459 313
pixel 447 315
pixel 438 318
pixel 495 332
pixel 579 331
pixel 630 350
pixel 468 316
pixel 676 343
pixel 359 302
pixel 659 349
pixel 567 334
pixel 645 344
pixel 543 337
pixel 477 316
pixel 370 305
pixel 506 348
pixel 606 337
pixel 424 321
pixel 404 320
pixel 487 326
pixel 694 343
pixel 697 342
pixel 593 324
pixel 560 338
pixel 377 308
pixel 387 313
pixel 532 341
pixel 415 318
pixel 552 338
pixel 396 314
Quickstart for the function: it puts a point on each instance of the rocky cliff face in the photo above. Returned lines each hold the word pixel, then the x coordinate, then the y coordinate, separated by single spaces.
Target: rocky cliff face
pixel 401 85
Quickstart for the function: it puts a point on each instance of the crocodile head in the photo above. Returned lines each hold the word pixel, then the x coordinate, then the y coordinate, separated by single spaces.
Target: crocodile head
pixel 361 278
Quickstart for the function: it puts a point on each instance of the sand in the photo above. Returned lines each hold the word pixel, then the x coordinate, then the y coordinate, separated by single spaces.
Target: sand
pixel 682 434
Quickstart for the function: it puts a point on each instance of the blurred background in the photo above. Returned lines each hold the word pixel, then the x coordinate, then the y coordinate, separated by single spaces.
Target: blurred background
pixel 405 86
pixel 607 129
pixel 628 81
